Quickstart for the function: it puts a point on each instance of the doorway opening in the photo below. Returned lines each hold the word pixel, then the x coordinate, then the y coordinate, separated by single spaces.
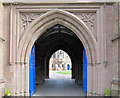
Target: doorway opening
pixel 60 65
pixel 58 38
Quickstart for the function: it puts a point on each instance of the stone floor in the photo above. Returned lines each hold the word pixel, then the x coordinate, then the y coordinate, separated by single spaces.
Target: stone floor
pixel 59 85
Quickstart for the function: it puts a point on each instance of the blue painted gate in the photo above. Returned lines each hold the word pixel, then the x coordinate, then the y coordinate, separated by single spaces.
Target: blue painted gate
pixel 84 72
pixel 68 67
pixel 32 71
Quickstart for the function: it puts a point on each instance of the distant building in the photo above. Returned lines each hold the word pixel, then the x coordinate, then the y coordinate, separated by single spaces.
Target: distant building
pixel 60 60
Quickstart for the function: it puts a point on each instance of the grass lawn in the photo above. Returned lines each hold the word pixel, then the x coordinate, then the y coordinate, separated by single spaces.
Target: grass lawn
pixel 64 72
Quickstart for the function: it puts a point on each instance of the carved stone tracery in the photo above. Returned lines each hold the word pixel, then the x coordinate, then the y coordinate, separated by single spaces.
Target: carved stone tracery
pixel 27 18
pixel 87 18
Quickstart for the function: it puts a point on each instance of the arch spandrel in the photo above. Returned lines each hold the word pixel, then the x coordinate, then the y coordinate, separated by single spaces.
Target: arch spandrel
pixel 49 19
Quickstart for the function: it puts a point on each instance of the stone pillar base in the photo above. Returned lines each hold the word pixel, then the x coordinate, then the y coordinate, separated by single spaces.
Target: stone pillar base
pixel 2 88
pixel 115 90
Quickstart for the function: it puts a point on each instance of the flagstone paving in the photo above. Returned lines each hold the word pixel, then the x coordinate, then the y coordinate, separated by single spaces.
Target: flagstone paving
pixel 59 85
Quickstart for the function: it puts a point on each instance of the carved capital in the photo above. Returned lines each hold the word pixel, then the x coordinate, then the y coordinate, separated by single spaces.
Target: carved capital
pixel 91 64
pixel 1 39
pixel 2 81
pixel 11 63
pixel 17 62
pixel 105 63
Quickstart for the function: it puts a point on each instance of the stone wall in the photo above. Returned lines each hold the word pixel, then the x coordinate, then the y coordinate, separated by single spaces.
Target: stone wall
pixel 103 19
pixel 115 87
pixel 119 51
pixel 1 51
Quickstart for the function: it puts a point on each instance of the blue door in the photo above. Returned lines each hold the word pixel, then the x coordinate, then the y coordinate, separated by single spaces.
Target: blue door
pixel 84 72
pixel 68 67
pixel 32 71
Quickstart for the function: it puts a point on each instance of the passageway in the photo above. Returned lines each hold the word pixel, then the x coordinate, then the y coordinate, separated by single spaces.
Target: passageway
pixel 59 85
pixel 51 40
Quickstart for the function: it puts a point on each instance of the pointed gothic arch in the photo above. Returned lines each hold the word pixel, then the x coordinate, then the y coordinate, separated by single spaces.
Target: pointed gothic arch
pixel 49 19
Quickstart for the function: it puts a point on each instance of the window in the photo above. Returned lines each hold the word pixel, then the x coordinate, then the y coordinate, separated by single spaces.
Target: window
pixel 60 52
pixel 54 55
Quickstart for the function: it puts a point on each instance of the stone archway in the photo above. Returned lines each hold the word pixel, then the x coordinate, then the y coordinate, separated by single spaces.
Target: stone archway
pixel 47 20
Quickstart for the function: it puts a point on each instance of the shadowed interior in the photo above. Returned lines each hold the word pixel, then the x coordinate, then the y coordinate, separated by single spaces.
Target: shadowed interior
pixel 53 39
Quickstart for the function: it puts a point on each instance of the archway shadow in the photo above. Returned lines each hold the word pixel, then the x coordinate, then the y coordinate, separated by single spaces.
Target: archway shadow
pixel 53 39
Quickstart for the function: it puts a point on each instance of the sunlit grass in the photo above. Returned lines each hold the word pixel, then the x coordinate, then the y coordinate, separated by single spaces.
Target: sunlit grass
pixel 64 72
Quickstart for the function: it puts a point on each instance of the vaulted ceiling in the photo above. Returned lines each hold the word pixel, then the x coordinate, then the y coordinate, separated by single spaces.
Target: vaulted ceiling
pixel 55 38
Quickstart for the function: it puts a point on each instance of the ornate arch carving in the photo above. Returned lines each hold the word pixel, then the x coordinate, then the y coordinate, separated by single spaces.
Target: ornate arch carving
pixel 49 19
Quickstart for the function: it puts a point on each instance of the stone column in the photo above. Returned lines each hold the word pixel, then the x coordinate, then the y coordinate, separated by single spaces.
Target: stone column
pixel 73 70
pixel 79 70
pixel 46 69
pixel 89 79
pixel 47 72
pixel 115 88
pixel 39 71
pixel 1 51
pixel 119 51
